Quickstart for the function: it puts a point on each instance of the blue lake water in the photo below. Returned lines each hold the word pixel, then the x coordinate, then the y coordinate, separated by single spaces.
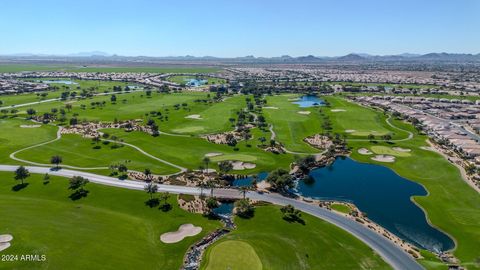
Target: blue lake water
pixel 195 82
pixel 248 180
pixel 224 209
pixel 60 82
pixel 382 194
pixel 309 101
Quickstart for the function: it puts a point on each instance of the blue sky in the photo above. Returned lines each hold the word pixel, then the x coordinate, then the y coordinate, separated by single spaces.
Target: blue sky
pixel 238 28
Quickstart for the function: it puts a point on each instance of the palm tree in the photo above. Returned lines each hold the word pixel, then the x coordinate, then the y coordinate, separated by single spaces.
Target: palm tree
pixel 147 173
pixel 21 173
pixel 151 189
pixel 211 185
pixel 243 190
pixel 206 161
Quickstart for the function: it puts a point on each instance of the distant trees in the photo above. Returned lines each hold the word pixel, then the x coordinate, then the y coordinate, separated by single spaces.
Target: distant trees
pixel 151 188
pixel 56 160
pixel 291 214
pixel 244 209
pixel 77 184
pixel 21 173
pixel 31 112
pixel 280 179
pixel 225 166
pixel 206 162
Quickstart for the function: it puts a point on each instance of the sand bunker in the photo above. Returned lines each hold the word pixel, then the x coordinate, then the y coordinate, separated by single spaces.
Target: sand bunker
pixel 183 231
pixel 304 112
pixel 5 241
pixel 428 148
pixel 213 154
pixel 271 108
pixel 194 116
pixel 400 149
pixel 384 158
pixel 30 126
pixel 350 130
pixel 338 110
pixel 364 151
pixel 240 165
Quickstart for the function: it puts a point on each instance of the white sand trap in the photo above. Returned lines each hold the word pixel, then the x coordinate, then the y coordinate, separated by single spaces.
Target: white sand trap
pixel 271 108
pixel 4 246
pixel 5 238
pixel 400 149
pixel 338 110
pixel 428 148
pixel 183 231
pixel 350 130
pixel 293 99
pixel 30 126
pixel 213 154
pixel 194 116
pixel 305 112
pixel 384 158
pixel 364 151
pixel 240 165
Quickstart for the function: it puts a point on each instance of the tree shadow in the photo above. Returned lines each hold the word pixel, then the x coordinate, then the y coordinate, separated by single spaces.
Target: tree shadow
pixel 165 207
pixel 19 187
pixel 152 202
pixel 77 195
pixel 294 218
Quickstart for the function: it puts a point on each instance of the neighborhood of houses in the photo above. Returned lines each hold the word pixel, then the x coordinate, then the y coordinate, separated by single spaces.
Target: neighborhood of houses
pixel 453 124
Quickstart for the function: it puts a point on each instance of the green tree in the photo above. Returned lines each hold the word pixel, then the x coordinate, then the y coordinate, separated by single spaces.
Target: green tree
pixel 56 160
pixel 21 173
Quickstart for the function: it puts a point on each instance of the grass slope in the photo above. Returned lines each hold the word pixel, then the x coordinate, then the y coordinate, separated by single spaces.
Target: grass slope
pixel 283 245
pixel 109 229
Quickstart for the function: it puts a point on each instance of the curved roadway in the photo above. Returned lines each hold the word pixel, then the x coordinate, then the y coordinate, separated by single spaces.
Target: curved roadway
pixel 392 254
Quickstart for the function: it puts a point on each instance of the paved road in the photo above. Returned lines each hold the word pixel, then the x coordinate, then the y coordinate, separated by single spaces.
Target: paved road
pixel 392 254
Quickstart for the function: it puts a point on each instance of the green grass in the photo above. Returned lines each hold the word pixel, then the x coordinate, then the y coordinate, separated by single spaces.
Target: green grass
pixel 341 208
pixel 355 117
pixel 13 137
pixel 109 229
pixel 181 79
pixel 283 245
pixel 233 255
pixel 290 126
pixel 385 150
pixel 189 151
pixel 80 152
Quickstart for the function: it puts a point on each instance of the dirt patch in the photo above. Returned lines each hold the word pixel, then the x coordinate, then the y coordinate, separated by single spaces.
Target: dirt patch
pixel 364 151
pixel 194 116
pixel 338 110
pixel 183 231
pixel 305 112
pixel 30 126
pixel 384 158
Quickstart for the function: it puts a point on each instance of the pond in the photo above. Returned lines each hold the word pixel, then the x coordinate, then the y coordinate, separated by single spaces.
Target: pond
pixel 309 101
pixel 59 82
pixel 380 193
pixel 247 181
pixel 195 82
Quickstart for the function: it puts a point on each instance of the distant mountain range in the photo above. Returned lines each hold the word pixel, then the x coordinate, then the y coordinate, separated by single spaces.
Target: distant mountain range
pixel 352 57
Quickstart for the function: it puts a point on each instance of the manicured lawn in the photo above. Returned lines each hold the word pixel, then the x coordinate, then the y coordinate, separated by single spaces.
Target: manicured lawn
pixel 290 126
pixel 189 151
pixel 13 137
pixel 357 121
pixel 385 150
pixel 234 255
pixel 184 79
pixel 109 229
pixel 283 245
pixel 81 152
pixel 341 208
